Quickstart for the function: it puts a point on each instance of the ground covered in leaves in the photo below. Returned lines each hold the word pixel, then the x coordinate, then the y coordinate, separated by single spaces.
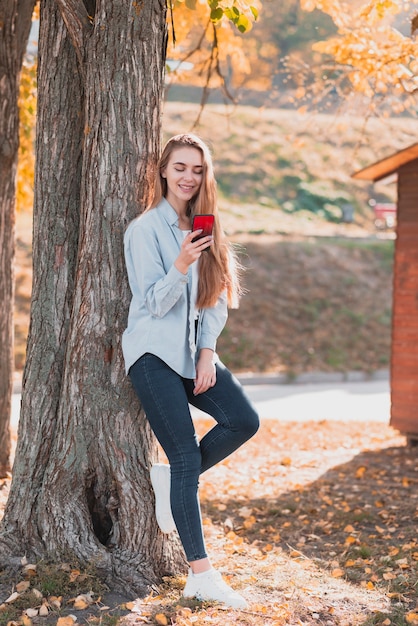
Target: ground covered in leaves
pixel 314 523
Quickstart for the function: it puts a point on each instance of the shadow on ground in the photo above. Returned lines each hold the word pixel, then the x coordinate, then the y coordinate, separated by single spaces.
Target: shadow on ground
pixel 356 522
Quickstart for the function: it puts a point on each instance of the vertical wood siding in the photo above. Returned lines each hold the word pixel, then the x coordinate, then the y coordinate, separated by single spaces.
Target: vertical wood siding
pixel 404 360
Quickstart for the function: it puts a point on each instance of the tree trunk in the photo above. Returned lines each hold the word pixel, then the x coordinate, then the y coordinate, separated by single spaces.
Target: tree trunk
pixel 81 477
pixel 15 21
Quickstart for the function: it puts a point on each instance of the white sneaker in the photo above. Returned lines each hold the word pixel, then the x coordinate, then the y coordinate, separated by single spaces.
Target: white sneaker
pixel 211 586
pixel 161 482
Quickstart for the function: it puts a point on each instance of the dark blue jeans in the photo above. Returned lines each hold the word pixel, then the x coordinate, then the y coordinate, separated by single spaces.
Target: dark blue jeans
pixel 165 397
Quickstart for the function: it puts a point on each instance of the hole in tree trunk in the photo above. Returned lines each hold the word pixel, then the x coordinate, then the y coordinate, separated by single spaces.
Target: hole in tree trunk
pixel 99 512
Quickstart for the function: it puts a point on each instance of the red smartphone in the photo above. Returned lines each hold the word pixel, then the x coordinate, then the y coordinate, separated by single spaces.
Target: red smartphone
pixel 205 222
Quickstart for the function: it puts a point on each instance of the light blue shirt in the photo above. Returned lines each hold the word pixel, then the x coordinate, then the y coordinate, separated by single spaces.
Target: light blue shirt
pixel 161 318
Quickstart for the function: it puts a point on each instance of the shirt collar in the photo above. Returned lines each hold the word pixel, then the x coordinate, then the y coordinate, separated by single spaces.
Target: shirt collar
pixel 168 212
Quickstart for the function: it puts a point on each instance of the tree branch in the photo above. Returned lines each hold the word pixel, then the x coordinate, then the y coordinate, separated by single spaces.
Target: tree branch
pixel 79 25
pixel 213 67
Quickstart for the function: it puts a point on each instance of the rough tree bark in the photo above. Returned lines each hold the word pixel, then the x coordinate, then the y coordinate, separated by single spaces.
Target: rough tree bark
pixel 80 481
pixel 15 21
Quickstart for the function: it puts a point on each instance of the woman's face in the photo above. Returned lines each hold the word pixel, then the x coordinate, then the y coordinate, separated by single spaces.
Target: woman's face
pixel 184 173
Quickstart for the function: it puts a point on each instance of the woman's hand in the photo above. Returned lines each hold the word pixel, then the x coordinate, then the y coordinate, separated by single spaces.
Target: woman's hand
pixel 191 250
pixel 205 372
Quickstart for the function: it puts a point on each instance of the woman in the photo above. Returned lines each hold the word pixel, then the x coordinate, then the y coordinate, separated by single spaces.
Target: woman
pixel 181 288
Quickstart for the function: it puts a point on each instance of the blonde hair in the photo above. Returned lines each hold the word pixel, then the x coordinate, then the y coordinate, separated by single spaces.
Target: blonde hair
pixel 219 269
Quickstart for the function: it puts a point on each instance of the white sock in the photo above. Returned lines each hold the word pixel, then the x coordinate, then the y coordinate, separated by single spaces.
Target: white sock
pixel 202 573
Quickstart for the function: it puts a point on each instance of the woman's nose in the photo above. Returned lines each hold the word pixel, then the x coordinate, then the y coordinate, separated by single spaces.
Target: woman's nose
pixel 188 175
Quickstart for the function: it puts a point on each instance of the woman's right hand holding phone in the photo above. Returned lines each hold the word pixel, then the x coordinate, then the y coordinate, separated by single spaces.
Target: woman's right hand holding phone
pixel 191 250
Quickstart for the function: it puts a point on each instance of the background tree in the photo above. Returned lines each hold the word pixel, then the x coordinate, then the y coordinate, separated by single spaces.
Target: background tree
pixel 246 66
pixel 374 51
pixel 80 481
pixel 15 21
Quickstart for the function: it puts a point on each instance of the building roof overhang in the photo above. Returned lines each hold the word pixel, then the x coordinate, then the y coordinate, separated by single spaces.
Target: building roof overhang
pixel 389 165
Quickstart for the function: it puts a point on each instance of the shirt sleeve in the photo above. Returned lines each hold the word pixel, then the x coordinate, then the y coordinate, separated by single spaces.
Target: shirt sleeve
pixel 149 280
pixel 213 322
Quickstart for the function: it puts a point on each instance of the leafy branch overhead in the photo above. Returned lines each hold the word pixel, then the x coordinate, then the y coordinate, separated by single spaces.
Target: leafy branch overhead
pixel 370 49
pixel 240 13
pixel 209 33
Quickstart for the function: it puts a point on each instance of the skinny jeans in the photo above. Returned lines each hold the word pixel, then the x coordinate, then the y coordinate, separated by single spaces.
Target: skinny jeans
pixel 165 397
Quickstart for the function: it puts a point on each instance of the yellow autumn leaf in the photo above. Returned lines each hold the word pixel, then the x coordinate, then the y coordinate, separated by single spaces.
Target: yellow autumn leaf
pixel 80 604
pixel 350 563
pixel 300 93
pixel 161 619
pixel 83 601
pixel 69 620
pixel 14 596
pixel 350 540
pixel 74 574
pixel 29 570
pixel 22 586
pixel 412 618
pixel 55 601
pixel 349 529
pixel 360 471
pixel 249 522
pixel 130 605
pixel 337 572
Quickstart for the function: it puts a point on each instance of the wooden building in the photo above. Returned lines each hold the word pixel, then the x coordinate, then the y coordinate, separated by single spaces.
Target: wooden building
pixel 404 350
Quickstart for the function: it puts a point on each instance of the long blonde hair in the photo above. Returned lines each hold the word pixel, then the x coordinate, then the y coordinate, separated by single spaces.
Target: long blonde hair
pixel 219 269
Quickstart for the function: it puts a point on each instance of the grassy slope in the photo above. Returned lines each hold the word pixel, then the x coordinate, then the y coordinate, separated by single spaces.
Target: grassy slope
pixel 282 159
pixel 312 305
pixel 319 293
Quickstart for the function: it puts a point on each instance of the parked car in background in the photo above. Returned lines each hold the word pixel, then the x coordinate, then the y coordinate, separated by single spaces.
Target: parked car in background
pixel 384 214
